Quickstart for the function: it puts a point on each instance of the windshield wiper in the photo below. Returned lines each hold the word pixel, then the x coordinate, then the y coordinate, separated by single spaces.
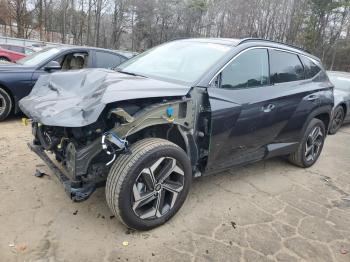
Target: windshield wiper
pixel 129 73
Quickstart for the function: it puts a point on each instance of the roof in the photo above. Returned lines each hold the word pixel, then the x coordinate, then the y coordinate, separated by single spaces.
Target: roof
pixel 221 41
pixel 236 42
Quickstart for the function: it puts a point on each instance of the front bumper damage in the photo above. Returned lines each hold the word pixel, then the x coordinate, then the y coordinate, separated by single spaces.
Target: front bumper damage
pixel 80 174
pixel 77 190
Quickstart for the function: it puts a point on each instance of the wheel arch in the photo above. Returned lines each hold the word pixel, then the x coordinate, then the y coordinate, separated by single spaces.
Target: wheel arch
pixel 322 113
pixel 173 120
pixel 169 132
pixel 325 118
pixel 174 133
pixel 6 57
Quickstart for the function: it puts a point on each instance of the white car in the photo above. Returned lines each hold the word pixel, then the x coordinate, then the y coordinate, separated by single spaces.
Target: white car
pixel 341 110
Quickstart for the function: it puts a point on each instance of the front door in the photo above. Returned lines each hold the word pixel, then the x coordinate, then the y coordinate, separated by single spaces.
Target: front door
pixel 73 60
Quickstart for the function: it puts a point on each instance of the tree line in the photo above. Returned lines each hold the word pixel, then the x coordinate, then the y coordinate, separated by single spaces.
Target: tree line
pixel 320 26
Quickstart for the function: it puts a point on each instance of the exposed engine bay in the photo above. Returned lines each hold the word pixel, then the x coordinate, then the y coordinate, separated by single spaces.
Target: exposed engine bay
pixel 87 153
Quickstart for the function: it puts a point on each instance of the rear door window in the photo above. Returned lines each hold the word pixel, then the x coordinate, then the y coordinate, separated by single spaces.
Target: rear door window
pixel 107 60
pixel 285 67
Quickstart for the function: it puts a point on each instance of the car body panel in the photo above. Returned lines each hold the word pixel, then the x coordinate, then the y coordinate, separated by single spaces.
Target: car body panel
pixel 241 130
pixel 11 55
pixel 341 92
pixel 17 79
pixel 343 98
pixel 77 98
pixel 18 48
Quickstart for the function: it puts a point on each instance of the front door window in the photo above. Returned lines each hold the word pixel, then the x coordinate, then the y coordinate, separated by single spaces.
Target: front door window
pixel 249 69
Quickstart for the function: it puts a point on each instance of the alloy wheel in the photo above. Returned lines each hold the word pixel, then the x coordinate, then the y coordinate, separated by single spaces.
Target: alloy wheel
pixel 337 120
pixel 157 188
pixel 314 144
pixel 2 104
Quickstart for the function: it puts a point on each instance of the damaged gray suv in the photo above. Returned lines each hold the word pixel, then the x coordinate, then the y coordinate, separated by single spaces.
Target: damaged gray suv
pixel 185 109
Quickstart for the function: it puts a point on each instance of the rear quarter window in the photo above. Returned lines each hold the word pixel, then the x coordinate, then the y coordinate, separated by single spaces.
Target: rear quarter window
pixel 311 69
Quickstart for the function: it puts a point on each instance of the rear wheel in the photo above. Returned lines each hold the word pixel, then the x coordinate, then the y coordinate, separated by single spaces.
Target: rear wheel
pixel 147 187
pixel 311 145
pixel 337 120
pixel 5 104
pixel 2 58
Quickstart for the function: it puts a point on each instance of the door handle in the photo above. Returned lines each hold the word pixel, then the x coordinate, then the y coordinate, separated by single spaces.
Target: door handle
pixel 312 97
pixel 268 108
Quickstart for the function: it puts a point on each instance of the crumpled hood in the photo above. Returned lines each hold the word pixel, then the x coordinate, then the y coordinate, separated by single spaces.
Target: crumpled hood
pixel 77 98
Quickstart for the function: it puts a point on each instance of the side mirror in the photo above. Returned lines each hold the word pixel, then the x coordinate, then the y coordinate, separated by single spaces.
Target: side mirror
pixel 52 65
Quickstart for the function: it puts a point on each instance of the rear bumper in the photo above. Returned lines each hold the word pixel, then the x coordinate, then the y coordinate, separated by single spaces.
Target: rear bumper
pixel 76 190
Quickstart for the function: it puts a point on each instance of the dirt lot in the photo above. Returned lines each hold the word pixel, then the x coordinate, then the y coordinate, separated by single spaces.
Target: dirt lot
pixel 267 211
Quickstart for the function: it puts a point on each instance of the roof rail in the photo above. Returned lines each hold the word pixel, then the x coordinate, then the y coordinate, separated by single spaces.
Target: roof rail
pixel 244 40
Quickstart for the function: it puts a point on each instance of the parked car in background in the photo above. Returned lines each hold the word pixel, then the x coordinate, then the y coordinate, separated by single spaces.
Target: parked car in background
pixel 10 56
pixel 184 109
pixel 341 110
pixel 17 48
pixel 17 79
pixel 38 47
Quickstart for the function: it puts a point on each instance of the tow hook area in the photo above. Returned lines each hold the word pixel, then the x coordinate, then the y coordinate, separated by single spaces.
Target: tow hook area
pixel 76 190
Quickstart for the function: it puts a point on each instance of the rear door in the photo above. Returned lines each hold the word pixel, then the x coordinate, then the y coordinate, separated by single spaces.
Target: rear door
pixel 248 109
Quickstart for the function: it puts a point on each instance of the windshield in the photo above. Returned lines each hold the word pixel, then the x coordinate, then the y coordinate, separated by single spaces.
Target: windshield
pixel 183 61
pixel 38 57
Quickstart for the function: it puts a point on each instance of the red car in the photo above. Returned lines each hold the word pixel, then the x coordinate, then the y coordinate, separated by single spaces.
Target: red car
pixel 10 56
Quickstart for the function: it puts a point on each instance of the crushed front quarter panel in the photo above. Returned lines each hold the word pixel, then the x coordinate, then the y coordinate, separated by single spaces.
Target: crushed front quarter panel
pixel 77 98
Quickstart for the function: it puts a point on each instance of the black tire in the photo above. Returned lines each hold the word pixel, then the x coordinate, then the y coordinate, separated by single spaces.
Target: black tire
pixel 301 157
pixel 337 120
pixel 2 58
pixel 5 104
pixel 129 169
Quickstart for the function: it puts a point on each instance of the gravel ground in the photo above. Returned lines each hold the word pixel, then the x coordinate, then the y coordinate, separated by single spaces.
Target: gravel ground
pixel 269 211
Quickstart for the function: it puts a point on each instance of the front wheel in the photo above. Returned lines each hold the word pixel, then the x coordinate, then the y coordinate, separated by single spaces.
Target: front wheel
pixel 148 186
pixel 311 145
pixel 5 104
